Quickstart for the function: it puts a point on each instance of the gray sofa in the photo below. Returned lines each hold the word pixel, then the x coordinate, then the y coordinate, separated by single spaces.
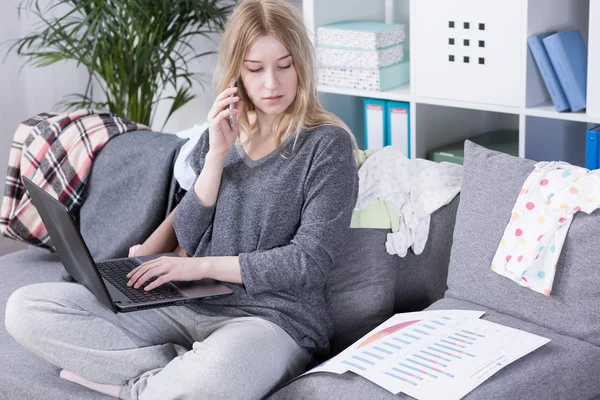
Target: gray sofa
pixel 130 192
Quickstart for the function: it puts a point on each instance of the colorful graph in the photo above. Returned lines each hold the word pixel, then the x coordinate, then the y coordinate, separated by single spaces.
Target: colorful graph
pixel 432 360
pixel 400 340
pixel 443 351
pixel 472 333
pixel 417 369
pixel 453 348
pixel 386 332
pixel 430 367
pixel 472 339
pixel 422 332
pixel 435 355
pixel 442 355
pixel 400 378
pixel 459 339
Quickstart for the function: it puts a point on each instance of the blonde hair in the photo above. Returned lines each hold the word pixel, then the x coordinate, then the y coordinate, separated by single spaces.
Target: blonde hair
pixel 255 18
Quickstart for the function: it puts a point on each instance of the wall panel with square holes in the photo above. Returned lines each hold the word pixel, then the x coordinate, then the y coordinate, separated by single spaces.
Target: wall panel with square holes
pixel 469 50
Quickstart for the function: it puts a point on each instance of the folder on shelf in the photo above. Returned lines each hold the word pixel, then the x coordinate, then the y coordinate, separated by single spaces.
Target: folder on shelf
pixel 398 126
pixel 568 54
pixel 504 140
pixel 592 148
pixel 375 123
pixel 538 51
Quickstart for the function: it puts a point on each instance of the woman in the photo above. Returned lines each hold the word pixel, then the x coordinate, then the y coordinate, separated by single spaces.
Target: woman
pixel 266 216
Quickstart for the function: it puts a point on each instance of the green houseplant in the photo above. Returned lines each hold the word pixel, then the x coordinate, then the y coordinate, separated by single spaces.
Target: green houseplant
pixel 133 50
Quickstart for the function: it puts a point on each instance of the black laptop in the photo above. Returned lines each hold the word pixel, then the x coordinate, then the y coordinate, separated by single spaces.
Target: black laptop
pixel 108 280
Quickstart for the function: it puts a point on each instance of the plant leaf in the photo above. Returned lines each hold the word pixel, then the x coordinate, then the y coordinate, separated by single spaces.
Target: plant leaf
pixel 132 49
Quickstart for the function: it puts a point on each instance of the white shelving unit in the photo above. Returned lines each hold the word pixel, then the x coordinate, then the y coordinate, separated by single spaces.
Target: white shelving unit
pixel 499 88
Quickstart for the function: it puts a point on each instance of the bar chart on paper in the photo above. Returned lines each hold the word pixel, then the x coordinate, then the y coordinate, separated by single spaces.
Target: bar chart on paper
pixel 424 354
pixel 432 355
pixel 447 357
pixel 396 338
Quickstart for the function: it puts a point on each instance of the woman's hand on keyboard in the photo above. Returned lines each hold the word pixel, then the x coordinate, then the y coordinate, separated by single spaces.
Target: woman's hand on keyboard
pixel 166 269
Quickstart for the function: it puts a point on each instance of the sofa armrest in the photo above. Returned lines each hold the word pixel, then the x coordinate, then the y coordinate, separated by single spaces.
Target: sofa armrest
pixel 421 280
pixel 129 191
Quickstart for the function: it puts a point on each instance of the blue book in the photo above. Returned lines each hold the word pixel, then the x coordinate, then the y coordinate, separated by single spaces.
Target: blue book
pixel 592 148
pixel 568 54
pixel 375 123
pixel 538 51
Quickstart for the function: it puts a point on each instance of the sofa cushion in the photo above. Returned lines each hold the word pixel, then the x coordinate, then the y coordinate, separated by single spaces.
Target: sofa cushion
pixel 421 278
pixel 492 182
pixel 24 375
pixel 564 368
pixel 360 286
pixel 129 192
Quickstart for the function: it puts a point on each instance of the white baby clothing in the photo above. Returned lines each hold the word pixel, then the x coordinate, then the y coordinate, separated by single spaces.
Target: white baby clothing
pixel 540 219
pixel 416 187
pixel 182 171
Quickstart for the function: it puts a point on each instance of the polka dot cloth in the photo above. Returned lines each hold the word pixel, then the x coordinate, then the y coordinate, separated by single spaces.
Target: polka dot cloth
pixel 533 239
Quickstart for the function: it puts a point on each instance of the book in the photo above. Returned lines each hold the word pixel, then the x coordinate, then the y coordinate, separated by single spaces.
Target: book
pixel 398 126
pixel 375 123
pixel 592 148
pixel 540 56
pixel 568 54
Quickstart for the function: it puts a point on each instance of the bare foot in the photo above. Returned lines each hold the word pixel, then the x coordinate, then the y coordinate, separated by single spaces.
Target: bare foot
pixel 109 390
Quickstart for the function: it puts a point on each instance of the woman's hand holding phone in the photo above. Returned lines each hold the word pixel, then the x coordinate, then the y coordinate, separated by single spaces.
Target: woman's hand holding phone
pixel 222 130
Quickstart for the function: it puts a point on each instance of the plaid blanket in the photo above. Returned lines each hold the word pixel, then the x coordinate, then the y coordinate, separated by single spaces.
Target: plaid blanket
pixel 56 152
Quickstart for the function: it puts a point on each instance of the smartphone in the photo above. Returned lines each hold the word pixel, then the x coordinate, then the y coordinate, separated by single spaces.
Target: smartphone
pixel 231 107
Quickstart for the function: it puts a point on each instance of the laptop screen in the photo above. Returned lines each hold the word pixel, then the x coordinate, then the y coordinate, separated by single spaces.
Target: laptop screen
pixel 68 242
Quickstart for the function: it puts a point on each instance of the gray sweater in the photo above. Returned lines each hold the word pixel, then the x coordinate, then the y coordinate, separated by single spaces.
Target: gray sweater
pixel 285 218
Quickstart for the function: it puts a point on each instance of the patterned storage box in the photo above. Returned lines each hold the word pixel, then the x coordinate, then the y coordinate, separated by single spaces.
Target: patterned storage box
pixel 377 79
pixel 351 58
pixel 366 35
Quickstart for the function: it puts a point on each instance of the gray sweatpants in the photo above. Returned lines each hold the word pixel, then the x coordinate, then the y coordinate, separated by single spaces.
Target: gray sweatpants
pixel 164 353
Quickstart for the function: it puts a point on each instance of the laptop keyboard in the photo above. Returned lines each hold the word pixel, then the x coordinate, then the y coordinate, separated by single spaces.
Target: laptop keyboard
pixel 116 273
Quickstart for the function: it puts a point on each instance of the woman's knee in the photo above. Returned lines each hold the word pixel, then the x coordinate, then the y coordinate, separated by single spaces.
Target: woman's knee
pixel 29 308
pixel 19 319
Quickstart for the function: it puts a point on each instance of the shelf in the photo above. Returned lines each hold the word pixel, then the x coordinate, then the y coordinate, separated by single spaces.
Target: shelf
pixel 546 110
pixel 468 105
pixel 450 94
pixel 400 93
pixel 440 125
